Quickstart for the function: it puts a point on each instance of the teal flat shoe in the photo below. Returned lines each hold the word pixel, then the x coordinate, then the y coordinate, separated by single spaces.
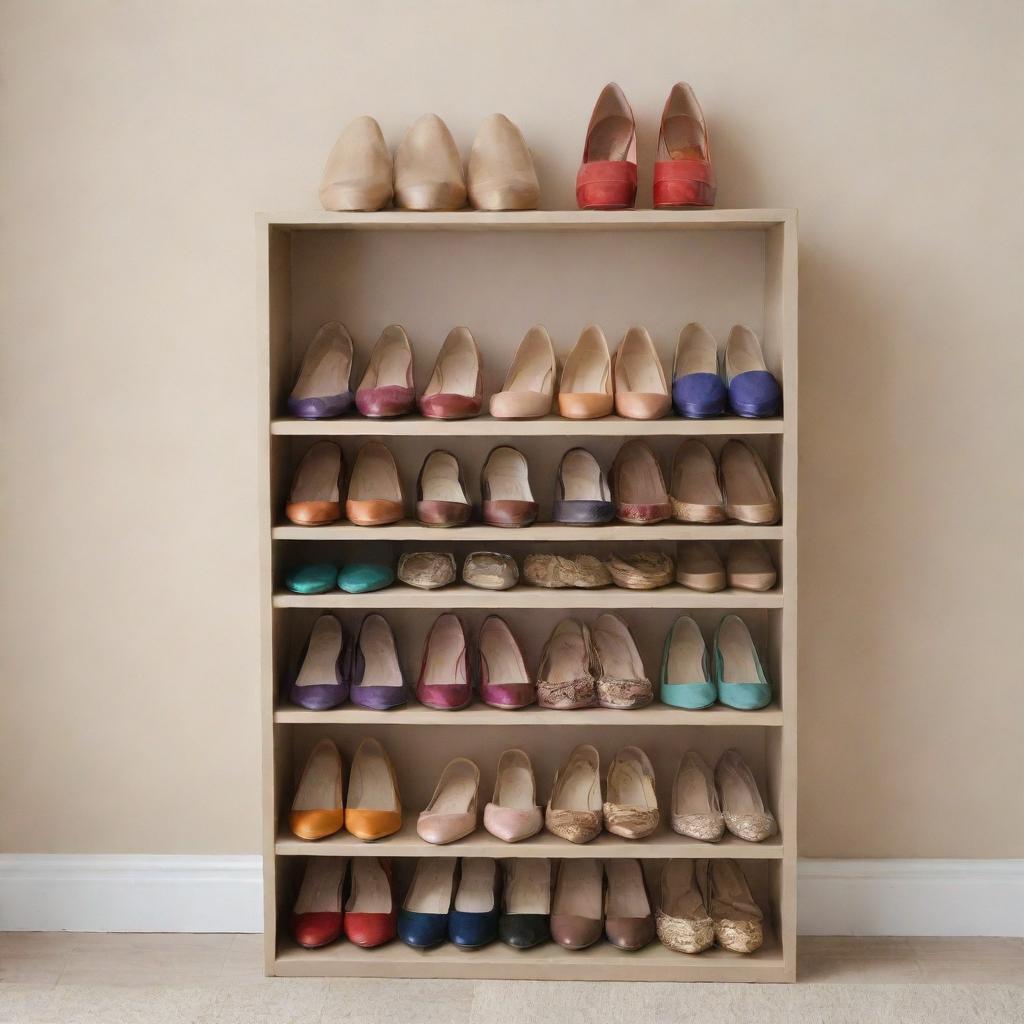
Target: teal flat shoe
pixel 361 578
pixel 312 579
pixel 742 682
pixel 685 678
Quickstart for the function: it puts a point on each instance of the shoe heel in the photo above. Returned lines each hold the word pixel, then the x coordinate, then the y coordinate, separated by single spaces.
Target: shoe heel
pixel 683 193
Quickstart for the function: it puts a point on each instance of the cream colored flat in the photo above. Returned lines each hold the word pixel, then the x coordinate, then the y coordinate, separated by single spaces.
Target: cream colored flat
pixel 585 390
pixel 501 175
pixel 631 807
pixel 738 920
pixel 641 391
pixel 747 490
pixel 742 806
pixel 513 813
pixel 358 173
pixel 574 807
pixel 699 567
pixel 682 920
pixel 696 811
pixel 428 169
pixel 452 811
pixel 748 566
pixel 696 492
pixel 530 382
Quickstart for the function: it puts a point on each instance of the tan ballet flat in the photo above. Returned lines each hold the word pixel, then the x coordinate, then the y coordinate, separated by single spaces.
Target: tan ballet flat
pixel 315 496
pixel 738 921
pixel 584 571
pixel 742 807
pixel 375 492
pixel 530 382
pixel 427 570
pixel 452 811
pixel 428 169
pixel 638 485
pixel 748 566
pixel 682 920
pixel 585 390
pixel 747 490
pixel 501 175
pixel 631 807
pixel 567 677
pixel 318 807
pixel 696 491
pixel 696 811
pixel 374 809
pixel 699 567
pixel 358 173
pixel 454 391
pixel 641 391
pixel 646 570
pixel 574 807
pixel 623 683
pixel 490 570
pixel 513 812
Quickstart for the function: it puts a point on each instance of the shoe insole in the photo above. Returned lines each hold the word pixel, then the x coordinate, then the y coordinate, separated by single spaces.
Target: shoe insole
pixel 745 478
pixel 738 790
pixel 695 476
pixel 370 893
pixel 578 789
pixel 578 892
pixel 739 663
pixel 639 480
pixel 316 479
pixel 587 368
pixel 628 785
pixel 374 477
pixel 696 353
pixel 325 371
pixel 680 896
pixel 370 786
pixel 619 656
pixel 506 476
pixel 683 138
pixel 457 792
pixel 567 657
pixel 686 654
pixel 516 787
pixel 582 479
pixel 475 894
pixel 319 787
pixel 532 368
pixel 528 886
pixel 690 794
pixel 320 891
pixel 431 889
pixel 380 658
pixel 504 665
pixel 319 668
pixel 446 644
pixel 440 480
pixel 627 896
pixel 743 352
pixel 457 367
pixel 610 138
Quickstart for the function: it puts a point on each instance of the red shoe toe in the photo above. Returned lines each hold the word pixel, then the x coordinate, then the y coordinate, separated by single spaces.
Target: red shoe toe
pixel 316 929
pixel 369 930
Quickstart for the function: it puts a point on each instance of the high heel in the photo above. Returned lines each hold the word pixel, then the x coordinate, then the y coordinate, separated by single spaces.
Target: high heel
pixel 504 681
pixel 607 176
pixel 628 919
pixel 428 168
pixel 473 920
pixel 359 173
pixel 372 668
pixel 685 673
pixel 740 678
pixel 683 175
pixel 443 682
pixel 423 920
pixel 371 913
pixel 500 174
pixel 526 903
pixel 386 388
pixel 577 909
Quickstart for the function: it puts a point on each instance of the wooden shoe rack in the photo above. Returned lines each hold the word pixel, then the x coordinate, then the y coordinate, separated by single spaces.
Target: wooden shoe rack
pixel 499 274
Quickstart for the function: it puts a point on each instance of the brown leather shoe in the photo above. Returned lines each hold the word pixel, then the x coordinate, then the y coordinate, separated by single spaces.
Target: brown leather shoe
pixel 455 389
pixel 441 491
pixel 505 489
pixel 374 492
pixel 628 918
pixel 315 497
pixel 576 910
pixel 638 486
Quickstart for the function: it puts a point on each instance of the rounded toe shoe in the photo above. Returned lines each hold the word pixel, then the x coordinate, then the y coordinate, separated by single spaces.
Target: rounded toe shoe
pixel 370 825
pixel 511 824
pixel 684 934
pixel 316 929
pixel 379 698
pixel 317 696
pixel 370 930
pixel 472 930
pixel 698 396
pixel 388 400
pixel 325 408
pixel 573 932
pixel 374 511
pixel 450 407
pixel 443 513
pixel 312 513
pixel 583 513
pixel 508 513
pixel 316 824
pixel 692 696
pixel 312 579
pixel 422 931
pixel 634 405
pixel 440 829
pixel 508 695
pixel 584 406
pixel 362 579
pixel 754 394
pixel 519 405
pixel 629 933
pixel 451 697
pixel 524 931
pixel 744 696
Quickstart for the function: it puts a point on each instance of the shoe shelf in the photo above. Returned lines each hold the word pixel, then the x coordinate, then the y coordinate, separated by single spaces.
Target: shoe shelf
pixel 499 273
pixel 406 843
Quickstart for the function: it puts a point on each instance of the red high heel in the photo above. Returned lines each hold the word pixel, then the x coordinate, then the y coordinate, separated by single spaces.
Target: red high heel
pixel 683 175
pixel 607 177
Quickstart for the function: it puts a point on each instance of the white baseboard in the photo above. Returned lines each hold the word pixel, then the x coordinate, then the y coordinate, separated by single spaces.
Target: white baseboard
pixel 55 892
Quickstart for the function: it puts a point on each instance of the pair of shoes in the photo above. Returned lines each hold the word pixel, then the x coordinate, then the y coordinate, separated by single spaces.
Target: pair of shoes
pixel 705 805
pixel 592 900
pixel 737 679
pixel 448 898
pixel 323 577
pixel 698 390
pixel 683 175
pixel 736 487
pixel 584 668
pixel 373 809
pixel 746 566
pixel 575 810
pixel 693 917
pixel 321 912
pixel 427 172
pixel 488 570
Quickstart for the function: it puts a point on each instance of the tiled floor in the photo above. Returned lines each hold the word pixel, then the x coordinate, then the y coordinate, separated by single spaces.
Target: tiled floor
pixel 217 979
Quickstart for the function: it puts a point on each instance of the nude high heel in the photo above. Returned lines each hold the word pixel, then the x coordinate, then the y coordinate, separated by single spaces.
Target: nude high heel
pixel 641 391
pixel 428 168
pixel 358 173
pixel 530 382
pixel 500 174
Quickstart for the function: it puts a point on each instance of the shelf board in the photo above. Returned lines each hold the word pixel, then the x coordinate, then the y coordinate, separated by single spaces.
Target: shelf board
pixel 409 529
pixel 601 962
pixel 480 714
pixel 460 595
pixel 406 843
pixel 484 426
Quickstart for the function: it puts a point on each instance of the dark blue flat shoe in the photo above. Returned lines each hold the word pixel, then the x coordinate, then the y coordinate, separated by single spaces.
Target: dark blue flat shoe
pixel 473 921
pixel 753 391
pixel 423 919
pixel 697 389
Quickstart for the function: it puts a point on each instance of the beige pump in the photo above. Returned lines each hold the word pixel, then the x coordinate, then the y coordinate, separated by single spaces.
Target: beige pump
pixel 641 391
pixel 428 169
pixel 358 173
pixel 501 175
pixel 452 811
pixel 530 382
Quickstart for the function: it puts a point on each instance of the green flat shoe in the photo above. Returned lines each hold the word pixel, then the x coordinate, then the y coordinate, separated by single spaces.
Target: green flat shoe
pixel 312 579
pixel 361 578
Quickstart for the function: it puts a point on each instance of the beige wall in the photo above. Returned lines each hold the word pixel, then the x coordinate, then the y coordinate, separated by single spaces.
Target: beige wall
pixel 138 139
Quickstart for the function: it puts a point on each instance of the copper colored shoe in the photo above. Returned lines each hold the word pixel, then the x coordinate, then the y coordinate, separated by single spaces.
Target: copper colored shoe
pixel 574 807
pixel 315 497
pixel 455 389
pixel 317 917
pixel 428 168
pixel 387 388
pixel 683 175
pixel 443 682
pixel 631 805
pixel 529 386
pixel 607 176
pixel 628 918
pixel 577 906
pixel 641 390
pixel 500 172
pixel 505 489
pixel 513 813
pixel 452 811
pixel 318 806
pixel 746 486
pixel 585 390
pixel 441 491
pixel 374 492
pixel 638 487
pixel 373 809
pixel 696 490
